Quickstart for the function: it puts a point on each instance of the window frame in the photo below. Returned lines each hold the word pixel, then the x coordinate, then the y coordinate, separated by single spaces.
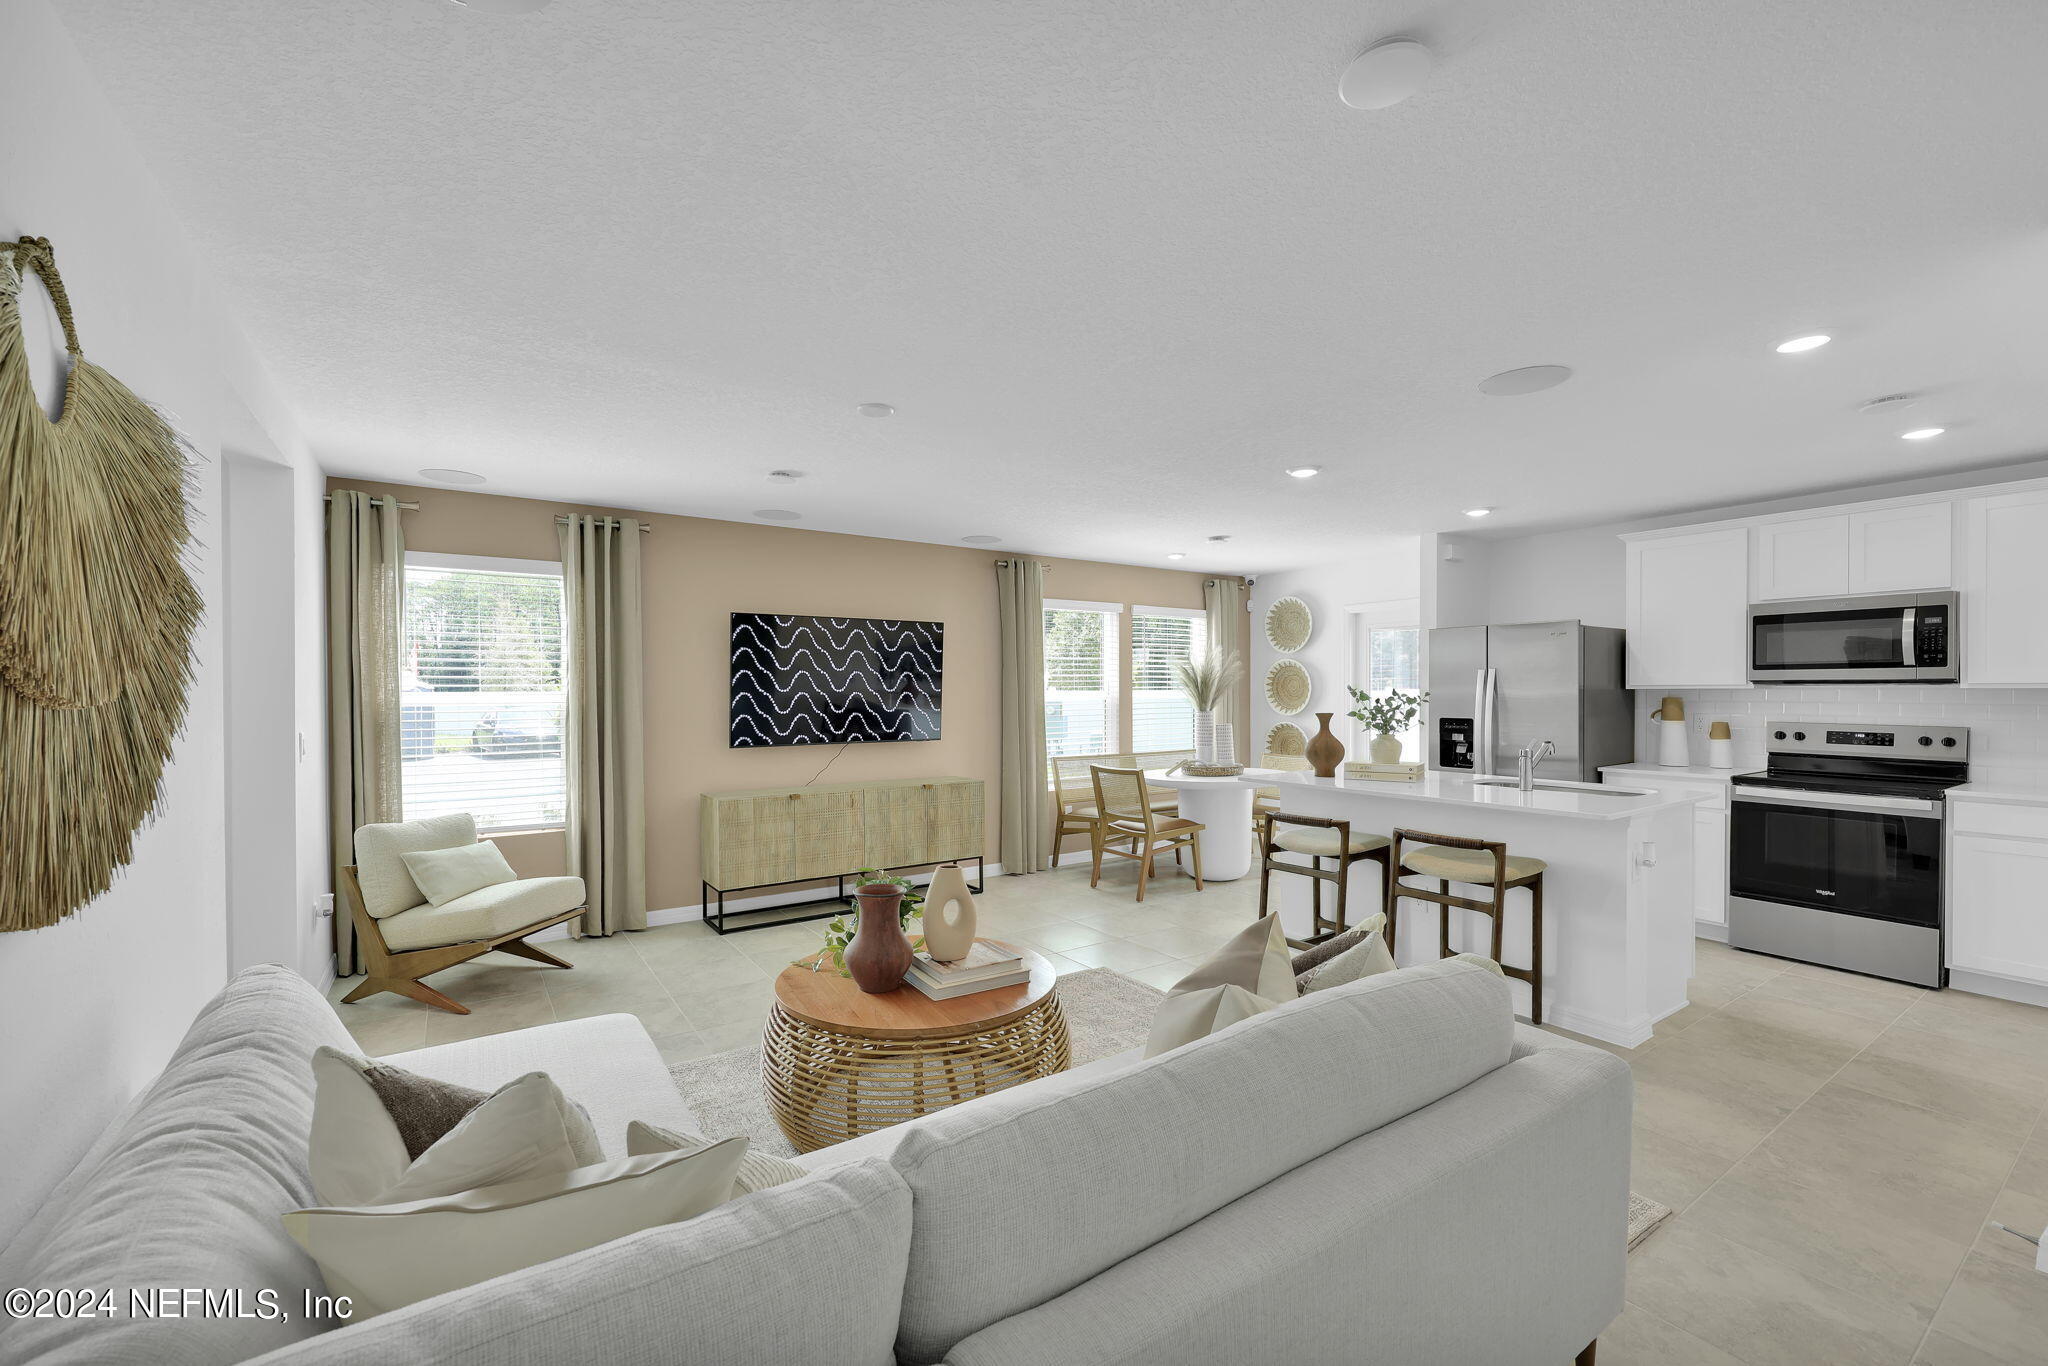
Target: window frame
pixel 1136 610
pixel 1115 670
pixel 1392 614
pixel 494 564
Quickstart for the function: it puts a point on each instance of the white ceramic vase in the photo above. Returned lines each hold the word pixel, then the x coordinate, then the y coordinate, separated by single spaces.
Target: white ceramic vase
pixel 1385 749
pixel 1226 744
pixel 949 918
pixel 1205 737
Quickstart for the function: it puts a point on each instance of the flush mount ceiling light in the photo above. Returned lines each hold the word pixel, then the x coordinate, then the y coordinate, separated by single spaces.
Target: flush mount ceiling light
pixel 1305 471
pixel 1385 74
pixel 784 476
pixel 980 540
pixel 1530 379
pixel 1479 512
pixel 501 6
pixel 778 515
pixel 1176 554
pixel 452 476
pixel 875 410
pixel 1808 343
pixel 1922 433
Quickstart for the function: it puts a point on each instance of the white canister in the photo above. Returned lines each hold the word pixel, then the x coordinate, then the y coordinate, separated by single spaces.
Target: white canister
pixel 1669 719
pixel 1720 746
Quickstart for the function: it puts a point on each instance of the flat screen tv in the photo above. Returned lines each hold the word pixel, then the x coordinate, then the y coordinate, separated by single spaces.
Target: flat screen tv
pixel 834 680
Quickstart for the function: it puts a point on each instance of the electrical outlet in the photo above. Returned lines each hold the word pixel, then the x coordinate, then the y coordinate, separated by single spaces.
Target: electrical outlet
pixel 323 905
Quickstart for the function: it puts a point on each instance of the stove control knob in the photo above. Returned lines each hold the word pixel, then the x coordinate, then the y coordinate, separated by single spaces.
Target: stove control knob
pixel 1948 742
pixel 1927 739
pixel 1777 735
pixel 1798 735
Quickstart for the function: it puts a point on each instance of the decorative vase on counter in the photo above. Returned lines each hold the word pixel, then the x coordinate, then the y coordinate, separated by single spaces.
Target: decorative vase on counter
pixel 1720 746
pixel 880 952
pixel 949 918
pixel 1672 749
pixel 1385 749
pixel 1325 751
pixel 1205 737
pixel 1226 744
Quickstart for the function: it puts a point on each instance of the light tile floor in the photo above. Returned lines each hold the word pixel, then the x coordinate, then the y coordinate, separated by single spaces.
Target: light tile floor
pixel 1834 1145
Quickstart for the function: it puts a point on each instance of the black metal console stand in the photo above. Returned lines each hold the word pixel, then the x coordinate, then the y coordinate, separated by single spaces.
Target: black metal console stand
pixel 818 909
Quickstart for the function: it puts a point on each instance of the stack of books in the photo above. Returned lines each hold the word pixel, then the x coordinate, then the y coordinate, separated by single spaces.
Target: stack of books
pixel 1385 773
pixel 986 967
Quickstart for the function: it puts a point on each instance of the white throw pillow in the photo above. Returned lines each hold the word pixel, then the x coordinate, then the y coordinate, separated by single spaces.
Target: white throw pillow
pixel 354 1151
pixel 1248 976
pixel 758 1171
pixel 527 1128
pixel 385 1256
pixel 1366 958
pixel 445 874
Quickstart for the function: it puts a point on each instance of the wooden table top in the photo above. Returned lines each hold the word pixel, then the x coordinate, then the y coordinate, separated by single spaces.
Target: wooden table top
pixel 829 1001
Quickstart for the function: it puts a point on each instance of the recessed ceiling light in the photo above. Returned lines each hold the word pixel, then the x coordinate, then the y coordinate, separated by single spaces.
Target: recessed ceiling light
pixel 875 410
pixel 1530 379
pixel 452 476
pixel 1176 554
pixel 980 540
pixel 784 476
pixel 1385 74
pixel 778 515
pixel 1921 433
pixel 1306 471
pixel 1798 344
pixel 1479 512
pixel 1219 538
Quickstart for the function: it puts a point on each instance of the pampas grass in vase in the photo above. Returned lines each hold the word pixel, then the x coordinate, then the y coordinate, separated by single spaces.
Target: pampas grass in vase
pixel 1205 680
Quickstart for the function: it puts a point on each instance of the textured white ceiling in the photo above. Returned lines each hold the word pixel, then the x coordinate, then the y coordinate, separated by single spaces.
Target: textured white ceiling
pixel 1117 263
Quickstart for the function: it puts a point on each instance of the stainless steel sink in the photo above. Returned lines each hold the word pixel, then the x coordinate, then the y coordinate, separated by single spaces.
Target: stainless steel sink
pixel 1582 789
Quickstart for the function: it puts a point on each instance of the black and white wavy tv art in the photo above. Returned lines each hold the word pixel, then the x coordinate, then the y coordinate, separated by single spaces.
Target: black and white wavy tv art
pixel 830 680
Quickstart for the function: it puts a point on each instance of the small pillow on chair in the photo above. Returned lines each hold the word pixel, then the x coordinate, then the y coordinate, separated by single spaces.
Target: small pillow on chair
pixel 444 874
pixel 1248 976
pixel 757 1171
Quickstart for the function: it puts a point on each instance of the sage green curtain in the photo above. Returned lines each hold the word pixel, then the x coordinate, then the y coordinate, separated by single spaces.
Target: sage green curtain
pixel 1224 599
pixel 365 586
pixel 602 740
pixel 1024 805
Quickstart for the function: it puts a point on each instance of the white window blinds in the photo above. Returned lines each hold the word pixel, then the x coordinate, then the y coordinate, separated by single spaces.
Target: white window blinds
pixel 480 695
pixel 1161 637
pixel 1081 684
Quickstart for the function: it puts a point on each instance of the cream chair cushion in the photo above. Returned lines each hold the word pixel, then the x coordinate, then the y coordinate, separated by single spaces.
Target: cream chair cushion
pixel 388 887
pixel 483 914
pixel 1466 865
pixel 1322 841
pixel 444 874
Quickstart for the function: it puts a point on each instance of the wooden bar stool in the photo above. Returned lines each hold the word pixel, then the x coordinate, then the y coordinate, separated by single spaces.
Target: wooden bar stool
pixel 1319 838
pixel 1479 863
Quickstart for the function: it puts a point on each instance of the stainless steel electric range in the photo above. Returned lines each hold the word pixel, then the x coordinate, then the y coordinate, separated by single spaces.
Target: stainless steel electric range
pixel 1834 850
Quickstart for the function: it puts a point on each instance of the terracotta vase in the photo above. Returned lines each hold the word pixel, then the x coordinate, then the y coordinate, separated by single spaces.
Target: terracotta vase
pixel 1325 751
pixel 880 953
pixel 949 917
pixel 1386 749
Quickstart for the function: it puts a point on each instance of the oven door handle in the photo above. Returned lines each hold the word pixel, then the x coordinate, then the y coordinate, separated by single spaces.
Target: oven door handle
pixel 1835 801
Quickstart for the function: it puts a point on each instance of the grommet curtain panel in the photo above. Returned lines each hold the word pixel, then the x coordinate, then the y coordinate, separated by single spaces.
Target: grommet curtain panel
pixel 602 741
pixel 96 615
pixel 365 586
pixel 1026 812
pixel 1224 601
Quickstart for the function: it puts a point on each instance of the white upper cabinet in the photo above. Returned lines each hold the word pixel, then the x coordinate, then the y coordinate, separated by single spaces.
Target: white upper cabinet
pixel 1901 549
pixel 1687 609
pixel 1807 558
pixel 2005 590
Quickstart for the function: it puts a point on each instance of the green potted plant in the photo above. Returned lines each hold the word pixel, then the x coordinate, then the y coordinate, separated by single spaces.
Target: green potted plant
pixel 1386 717
pixel 1204 681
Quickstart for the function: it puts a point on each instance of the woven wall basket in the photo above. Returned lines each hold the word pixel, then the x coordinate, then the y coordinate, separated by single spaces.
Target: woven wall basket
pixel 96 616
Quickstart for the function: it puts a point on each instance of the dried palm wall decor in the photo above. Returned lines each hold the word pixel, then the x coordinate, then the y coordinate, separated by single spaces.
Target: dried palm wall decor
pixel 96 616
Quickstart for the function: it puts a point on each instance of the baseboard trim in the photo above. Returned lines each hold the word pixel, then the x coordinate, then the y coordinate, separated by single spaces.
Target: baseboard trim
pixel 1598 1027
pixel 1707 929
pixel 2004 988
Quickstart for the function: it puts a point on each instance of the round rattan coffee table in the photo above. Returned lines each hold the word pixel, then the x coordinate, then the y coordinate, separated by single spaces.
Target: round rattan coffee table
pixel 839 1063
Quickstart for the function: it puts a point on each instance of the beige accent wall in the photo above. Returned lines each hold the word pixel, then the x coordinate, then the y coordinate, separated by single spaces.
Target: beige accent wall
pixel 697 571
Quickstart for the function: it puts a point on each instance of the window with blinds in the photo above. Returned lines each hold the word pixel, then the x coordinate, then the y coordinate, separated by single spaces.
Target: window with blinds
pixel 480 693
pixel 1081 685
pixel 1161 637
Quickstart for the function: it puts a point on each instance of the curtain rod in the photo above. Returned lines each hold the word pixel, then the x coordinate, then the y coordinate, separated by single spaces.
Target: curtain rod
pixel 645 530
pixel 1005 564
pixel 402 507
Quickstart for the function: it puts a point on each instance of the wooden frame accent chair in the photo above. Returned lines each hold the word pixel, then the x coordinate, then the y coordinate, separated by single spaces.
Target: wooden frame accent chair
pixel 1075 811
pixel 403 938
pixel 1127 814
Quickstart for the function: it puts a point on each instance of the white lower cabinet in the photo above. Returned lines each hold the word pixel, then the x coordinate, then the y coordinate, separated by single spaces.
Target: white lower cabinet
pixel 1998 891
pixel 1709 834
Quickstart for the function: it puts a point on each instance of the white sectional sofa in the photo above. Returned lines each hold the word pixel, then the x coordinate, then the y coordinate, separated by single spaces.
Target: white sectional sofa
pixel 1389 1171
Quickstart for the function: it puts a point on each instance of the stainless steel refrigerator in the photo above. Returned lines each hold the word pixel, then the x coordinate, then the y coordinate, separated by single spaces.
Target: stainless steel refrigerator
pixel 1495 689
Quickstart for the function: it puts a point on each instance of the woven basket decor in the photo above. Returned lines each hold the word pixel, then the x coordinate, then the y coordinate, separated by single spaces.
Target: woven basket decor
pixel 1287 687
pixel 1288 625
pixel 1286 739
pixel 96 616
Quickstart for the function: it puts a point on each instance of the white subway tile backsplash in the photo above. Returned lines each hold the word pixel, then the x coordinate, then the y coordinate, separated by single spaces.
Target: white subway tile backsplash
pixel 2008 726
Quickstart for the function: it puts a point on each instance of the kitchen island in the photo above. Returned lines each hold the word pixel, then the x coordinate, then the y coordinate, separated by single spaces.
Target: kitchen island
pixel 1618 893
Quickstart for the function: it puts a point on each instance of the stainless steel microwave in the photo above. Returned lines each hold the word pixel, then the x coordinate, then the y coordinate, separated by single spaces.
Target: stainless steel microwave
pixel 1874 638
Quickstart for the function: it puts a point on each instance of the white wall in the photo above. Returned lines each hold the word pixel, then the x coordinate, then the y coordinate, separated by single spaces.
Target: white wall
pixel 91 1007
pixel 1386 568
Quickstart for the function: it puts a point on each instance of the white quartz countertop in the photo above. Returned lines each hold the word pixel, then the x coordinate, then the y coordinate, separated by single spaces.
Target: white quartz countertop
pixel 1578 801
pixel 2007 789
pixel 1695 772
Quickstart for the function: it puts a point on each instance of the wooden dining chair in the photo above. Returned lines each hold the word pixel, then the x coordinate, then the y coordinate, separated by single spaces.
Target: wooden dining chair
pixel 1125 803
